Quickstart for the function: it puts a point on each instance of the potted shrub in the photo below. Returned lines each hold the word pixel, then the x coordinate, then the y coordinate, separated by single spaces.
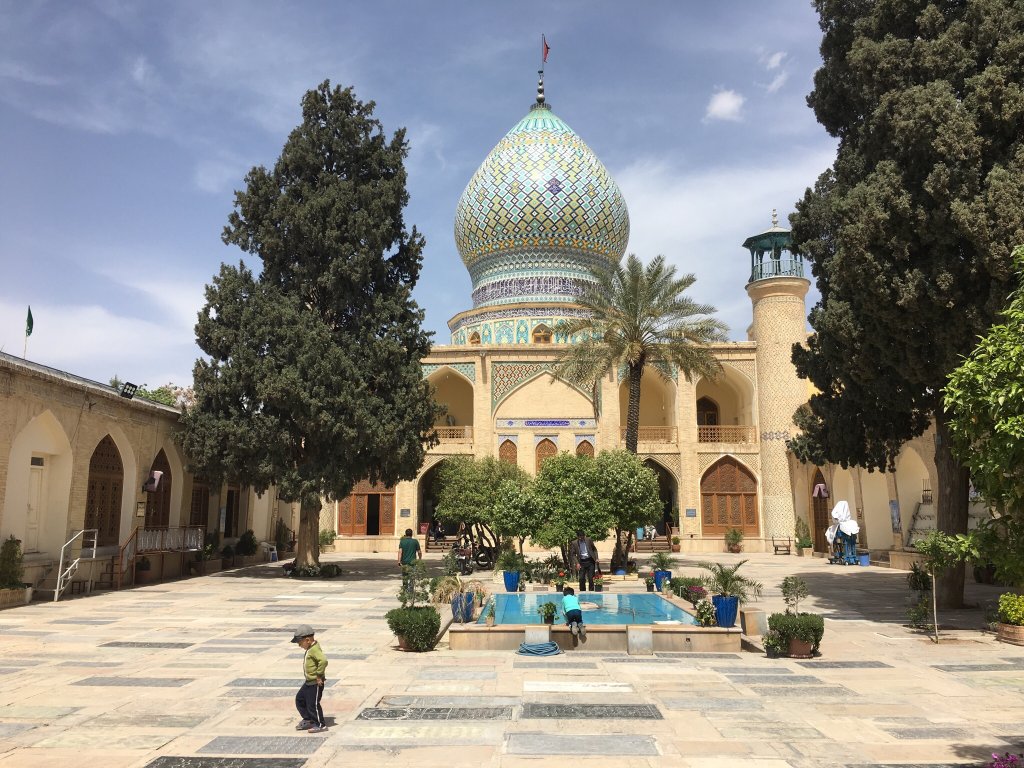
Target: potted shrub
pixel 560 578
pixel 207 560
pixel 548 611
pixel 1011 619
pixel 144 571
pixel 512 564
pixel 704 612
pixel 415 623
pixel 734 540
pixel 326 541
pixel 729 589
pixel 773 644
pixel 794 589
pixel 246 547
pixel 489 614
pixel 675 544
pixel 804 544
pixel 227 556
pixel 661 563
pixel 599 583
pixel 800 633
pixel 649 583
pixel 460 594
pixel 13 589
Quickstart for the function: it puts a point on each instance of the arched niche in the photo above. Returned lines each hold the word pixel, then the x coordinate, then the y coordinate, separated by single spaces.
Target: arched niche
pixel 544 397
pixel 542 334
pixel 38 488
pixel 657 400
pixel 455 392
pixel 668 492
pixel 911 480
pixel 508 452
pixel 105 492
pixel 874 491
pixel 158 502
pixel 733 393
pixel 585 448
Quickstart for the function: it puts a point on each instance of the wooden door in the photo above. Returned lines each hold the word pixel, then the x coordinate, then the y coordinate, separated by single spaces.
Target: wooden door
pixel 728 494
pixel 103 500
pixel 819 515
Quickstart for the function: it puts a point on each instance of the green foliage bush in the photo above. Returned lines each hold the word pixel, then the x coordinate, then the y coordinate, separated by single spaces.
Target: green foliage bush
pixel 418 626
pixel 326 537
pixel 807 627
pixel 794 589
pixel 1011 609
pixel 330 570
pixel 547 610
pixel 247 544
pixel 803 533
pixel 733 537
pixel 918 579
pixel 724 580
pixel 281 537
pixel 773 643
pixel 919 613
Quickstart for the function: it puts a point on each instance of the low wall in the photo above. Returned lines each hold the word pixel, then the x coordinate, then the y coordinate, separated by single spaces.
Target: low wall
pixel 600 637
pixel 902 561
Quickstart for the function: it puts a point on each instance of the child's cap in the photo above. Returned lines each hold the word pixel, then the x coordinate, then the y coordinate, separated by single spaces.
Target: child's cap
pixel 301 631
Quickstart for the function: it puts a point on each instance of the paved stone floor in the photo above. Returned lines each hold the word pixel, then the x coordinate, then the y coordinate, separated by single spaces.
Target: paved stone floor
pixel 200 673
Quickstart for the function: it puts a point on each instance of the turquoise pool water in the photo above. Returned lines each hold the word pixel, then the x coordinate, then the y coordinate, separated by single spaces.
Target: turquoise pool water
pixel 604 608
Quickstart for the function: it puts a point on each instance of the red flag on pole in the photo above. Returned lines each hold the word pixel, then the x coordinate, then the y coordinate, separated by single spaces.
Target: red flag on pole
pixel 544 48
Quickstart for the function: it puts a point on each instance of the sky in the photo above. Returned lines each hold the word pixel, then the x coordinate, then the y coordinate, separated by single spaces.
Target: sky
pixel 126 127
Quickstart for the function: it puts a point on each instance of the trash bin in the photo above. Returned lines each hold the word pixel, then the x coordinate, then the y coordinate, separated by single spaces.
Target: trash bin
pixel 864 557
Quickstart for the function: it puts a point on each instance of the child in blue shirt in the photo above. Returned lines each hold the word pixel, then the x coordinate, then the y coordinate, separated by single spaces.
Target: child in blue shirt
pixel 573 613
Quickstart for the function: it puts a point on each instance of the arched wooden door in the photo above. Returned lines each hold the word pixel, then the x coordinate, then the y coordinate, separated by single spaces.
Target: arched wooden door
pixel 508 452
pixel 728 496
pixel 158 506
pixel 106 484
pixel 819 514
pixel 545 450
pixel 585 448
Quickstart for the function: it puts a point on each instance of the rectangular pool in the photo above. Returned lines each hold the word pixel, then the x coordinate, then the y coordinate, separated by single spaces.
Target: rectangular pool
pixel 598 608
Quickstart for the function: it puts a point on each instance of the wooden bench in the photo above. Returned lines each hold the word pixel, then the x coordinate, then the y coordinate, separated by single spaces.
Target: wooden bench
pixel 782 546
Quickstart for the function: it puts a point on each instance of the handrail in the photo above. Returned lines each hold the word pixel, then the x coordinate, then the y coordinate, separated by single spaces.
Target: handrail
pixel 176 539
pixel 652 434
pixel 64 574
pixel 126 553
pixel 727 433
pixel 461 434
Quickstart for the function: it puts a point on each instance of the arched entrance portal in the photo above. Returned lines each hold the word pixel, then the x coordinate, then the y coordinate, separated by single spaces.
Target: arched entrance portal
pixel 667 493
pixel 158 505
pixel 819 512
pixel 106 484
pixel 429 493
pixel 368 511
pixel 728 498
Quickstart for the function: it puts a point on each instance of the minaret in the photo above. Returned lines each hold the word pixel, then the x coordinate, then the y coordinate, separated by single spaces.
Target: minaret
pixel 777 288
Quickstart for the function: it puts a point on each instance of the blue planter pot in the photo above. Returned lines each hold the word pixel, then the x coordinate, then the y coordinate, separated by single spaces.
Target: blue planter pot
pixel 462 608
pixel 659 577
pixel 511 581
pixel 726 609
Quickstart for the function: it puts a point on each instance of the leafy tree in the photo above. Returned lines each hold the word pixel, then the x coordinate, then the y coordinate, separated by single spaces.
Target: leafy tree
pixel 569 492
pixel 908 231
pixel 313 380
pixel 630 489
pixel 985 396
pixel 516 511
pixel 638 316
pixel 476 491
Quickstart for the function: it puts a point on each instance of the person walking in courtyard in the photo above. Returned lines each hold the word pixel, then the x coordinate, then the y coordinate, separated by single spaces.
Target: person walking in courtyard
pixel 314 668
pixel 408 552
pixel 583 551
pixel 573 613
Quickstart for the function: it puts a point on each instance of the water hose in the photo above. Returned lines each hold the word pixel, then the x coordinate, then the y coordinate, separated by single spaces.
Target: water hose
pixel 539 649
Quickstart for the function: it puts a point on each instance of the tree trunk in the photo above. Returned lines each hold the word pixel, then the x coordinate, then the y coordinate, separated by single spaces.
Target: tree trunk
pixel 951 510
pixel 633 410
pixel 307 544
pixel 618 555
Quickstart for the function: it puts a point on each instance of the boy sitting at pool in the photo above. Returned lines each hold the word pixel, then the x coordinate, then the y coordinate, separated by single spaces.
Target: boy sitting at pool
pixel 573 613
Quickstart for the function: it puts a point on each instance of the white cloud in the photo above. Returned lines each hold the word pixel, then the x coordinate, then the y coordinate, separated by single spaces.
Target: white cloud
pixel 774 61
pixel 777 82
pixel 725 105
pixel 142 72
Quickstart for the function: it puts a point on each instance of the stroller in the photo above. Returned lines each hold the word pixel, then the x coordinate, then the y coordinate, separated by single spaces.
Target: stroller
pixel 842 536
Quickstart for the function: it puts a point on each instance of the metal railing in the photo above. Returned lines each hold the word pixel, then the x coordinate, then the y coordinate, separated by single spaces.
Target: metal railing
pixel 652 434
pixel 777 268
pixel 125 562
pixel 454 434
pixel 170 539
pixel 64 575
pixel 727 434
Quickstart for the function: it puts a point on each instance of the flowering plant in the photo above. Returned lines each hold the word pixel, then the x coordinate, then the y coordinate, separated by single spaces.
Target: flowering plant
pixel 649 581
pixel 1006 761
pixel 705 613
pixel 598 579
pixel 694 593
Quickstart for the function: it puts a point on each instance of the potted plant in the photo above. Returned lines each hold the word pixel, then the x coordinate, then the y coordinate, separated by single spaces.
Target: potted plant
pixel 560 578
pixel 599 583
pixel 661 563
pixel 208 558
pixel 489 614
pixel 734 540
pixel 1011 619
pixel 649 583
pixel 144 571
pixel 460 594
pixel 675 544
pixel 704 612
pixel 227 556
pixel 548 611
pixel 13 589
pixel 800 633
pixel 246 548
pixel 327 540
pixel 512 564
pixel 729 589
pixel 794 589
pixel 774 646
pixel 415 623
pixel 804 544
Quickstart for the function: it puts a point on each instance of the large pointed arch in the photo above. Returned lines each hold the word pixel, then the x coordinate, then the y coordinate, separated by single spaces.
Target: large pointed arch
pixel 546 448
pixel 158 503
pixel 819 511
pixel 728 497
pixel 105 490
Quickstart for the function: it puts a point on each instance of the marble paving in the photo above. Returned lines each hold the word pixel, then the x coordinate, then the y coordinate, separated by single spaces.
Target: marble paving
pixel 200 673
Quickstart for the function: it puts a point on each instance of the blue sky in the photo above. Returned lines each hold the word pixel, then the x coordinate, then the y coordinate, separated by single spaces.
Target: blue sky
pixel 125 128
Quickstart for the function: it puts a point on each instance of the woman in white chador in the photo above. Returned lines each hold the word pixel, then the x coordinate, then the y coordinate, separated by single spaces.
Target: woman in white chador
pixel 842 535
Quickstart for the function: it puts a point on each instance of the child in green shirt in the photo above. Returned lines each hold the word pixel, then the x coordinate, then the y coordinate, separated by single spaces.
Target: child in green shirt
pixel 314 667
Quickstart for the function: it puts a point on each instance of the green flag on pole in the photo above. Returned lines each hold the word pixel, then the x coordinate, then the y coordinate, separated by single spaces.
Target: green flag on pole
pixel 28 323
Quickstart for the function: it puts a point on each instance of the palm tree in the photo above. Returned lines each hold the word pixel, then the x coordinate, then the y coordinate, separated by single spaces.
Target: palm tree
pixel 638 317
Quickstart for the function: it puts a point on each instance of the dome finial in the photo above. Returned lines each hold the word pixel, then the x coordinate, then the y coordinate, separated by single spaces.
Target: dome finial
pixel 540 87
pixel 775 217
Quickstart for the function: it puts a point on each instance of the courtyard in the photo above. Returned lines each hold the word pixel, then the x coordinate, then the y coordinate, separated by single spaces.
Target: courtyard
pixel 200 673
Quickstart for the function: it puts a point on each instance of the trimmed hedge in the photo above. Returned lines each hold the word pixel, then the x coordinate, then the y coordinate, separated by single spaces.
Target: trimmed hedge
pixel 808 627
pixel 417 626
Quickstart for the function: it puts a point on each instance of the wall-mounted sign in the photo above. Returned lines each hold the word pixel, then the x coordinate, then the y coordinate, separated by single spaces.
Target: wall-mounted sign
pixel 140 509
pixel 405 513
pixel 691 513
pixel 581 423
